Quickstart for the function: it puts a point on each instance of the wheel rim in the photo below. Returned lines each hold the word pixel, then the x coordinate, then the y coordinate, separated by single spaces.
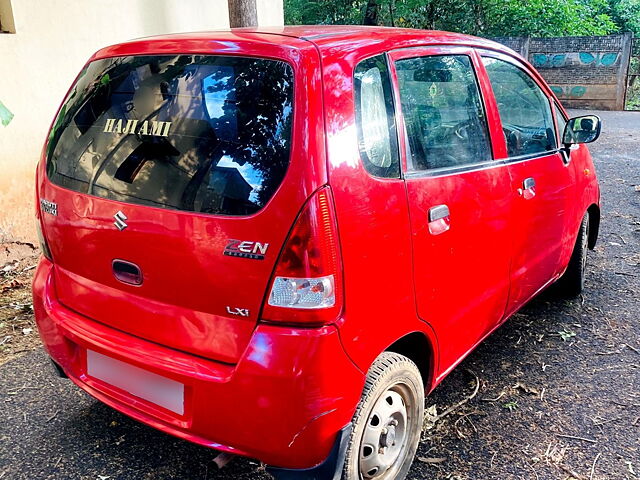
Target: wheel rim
pixel 384 441
pixel 585 246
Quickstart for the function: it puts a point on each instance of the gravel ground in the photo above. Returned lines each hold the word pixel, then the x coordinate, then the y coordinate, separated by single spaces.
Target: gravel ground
pixel 558 385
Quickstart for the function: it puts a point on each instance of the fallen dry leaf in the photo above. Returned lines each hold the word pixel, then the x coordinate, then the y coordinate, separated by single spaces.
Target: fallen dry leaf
pixel 430 417
pixel 431 460
pixel 526 388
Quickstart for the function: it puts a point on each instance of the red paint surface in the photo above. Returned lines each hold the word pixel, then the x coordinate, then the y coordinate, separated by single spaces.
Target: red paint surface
pixel 281 392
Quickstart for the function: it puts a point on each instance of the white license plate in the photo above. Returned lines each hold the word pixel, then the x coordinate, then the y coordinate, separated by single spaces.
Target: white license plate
pixel 141 383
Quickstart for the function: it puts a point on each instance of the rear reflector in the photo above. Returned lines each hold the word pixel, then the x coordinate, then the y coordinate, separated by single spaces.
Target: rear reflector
pixel 303 292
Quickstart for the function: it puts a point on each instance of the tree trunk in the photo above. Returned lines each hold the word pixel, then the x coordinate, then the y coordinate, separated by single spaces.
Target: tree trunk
pixel 431 16
pixel 371 13
pixel 392 6
pixel 243 13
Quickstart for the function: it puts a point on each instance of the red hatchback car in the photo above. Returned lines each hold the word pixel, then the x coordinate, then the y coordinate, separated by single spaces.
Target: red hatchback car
pixel 275 242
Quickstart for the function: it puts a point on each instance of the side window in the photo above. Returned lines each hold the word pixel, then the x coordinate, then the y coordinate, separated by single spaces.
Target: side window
pixel 524 109
pixel 561 121
pixel 375 118
pixel 443 112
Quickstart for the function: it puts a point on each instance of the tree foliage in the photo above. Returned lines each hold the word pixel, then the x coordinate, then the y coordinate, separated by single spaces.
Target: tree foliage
pixel 626 14
pixel 544 18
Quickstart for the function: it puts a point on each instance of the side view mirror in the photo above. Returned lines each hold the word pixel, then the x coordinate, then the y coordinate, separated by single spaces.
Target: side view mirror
pixel 585 129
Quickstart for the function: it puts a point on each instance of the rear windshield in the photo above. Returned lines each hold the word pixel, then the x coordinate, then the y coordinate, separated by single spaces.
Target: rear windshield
pixel 204 134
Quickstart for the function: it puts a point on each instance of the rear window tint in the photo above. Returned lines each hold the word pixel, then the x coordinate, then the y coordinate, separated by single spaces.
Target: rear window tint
pixel 206 134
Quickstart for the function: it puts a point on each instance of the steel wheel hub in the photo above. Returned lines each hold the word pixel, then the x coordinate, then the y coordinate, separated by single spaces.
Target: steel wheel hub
pixel 385 435
pixel 585 243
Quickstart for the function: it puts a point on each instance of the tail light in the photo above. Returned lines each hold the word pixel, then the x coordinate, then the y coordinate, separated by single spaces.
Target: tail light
pixel 307 282
pixel 44 247
pixel 43 241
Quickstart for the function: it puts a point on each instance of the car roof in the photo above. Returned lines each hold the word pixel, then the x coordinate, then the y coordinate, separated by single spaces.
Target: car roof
pixel 327 37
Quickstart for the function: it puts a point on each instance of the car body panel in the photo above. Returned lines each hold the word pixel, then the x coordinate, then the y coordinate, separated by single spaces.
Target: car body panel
pixel 286 375
pixel 539 227
pixel 465 265
pixel 376 250
pixel 191 291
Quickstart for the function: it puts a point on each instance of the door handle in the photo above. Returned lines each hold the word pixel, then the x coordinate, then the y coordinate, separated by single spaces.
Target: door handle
pixel 528 190
pixel 127 272
pixel 439 219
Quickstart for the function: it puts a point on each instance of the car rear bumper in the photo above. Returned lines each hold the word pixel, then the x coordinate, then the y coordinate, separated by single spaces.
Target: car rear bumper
pixel 283 403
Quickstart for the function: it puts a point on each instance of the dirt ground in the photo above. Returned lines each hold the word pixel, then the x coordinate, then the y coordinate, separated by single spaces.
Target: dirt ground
pixel 558 386
pixel 17 330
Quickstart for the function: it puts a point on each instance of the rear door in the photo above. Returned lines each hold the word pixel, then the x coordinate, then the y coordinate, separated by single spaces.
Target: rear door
pixel 542 180
pixel 458 197
pixel 177 178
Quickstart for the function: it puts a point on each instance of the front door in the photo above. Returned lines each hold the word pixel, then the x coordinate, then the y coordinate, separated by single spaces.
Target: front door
pixel 542 180
pixel 458 198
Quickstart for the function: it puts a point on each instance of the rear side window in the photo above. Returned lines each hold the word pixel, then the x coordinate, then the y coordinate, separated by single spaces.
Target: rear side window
pixel 206 134
pixel 375 118
pixel 524 109
pixel 443 112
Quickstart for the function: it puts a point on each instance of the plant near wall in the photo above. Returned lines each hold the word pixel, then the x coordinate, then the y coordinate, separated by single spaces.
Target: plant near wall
pixel 547 18
pixel 323 12
pixel 626 14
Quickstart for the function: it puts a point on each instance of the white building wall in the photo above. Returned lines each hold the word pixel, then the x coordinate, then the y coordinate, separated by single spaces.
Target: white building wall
pixel 52 41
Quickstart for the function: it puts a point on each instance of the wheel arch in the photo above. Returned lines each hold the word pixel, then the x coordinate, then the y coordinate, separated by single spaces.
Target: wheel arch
pixel 418 347
pixel 594 224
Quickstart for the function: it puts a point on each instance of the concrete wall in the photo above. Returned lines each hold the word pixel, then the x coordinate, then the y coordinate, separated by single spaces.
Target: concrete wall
pixel 584 72
pixel 52 41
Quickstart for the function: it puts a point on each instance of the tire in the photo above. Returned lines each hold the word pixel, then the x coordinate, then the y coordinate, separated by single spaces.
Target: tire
pixel 388 418
pixel 571 283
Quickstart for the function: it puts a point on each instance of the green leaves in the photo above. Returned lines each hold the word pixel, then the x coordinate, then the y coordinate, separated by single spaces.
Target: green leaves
pixel 543 18
pixel 566 335
pixel 5 115
pixel 626 14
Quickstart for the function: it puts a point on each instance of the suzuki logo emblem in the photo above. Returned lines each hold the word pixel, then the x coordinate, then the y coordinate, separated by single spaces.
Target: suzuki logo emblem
pixel 120 220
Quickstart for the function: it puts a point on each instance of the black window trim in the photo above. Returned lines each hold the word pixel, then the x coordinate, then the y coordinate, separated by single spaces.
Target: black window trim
pixel 530 156
pixel 495 162
pixel 445 171
pixel 556 107
pixel 473 167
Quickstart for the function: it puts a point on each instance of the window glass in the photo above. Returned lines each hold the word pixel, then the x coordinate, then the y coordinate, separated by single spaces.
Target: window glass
pixel 442 108
pixel 207 134
pixel 375 118
pixel 524 109
pixel 561 121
